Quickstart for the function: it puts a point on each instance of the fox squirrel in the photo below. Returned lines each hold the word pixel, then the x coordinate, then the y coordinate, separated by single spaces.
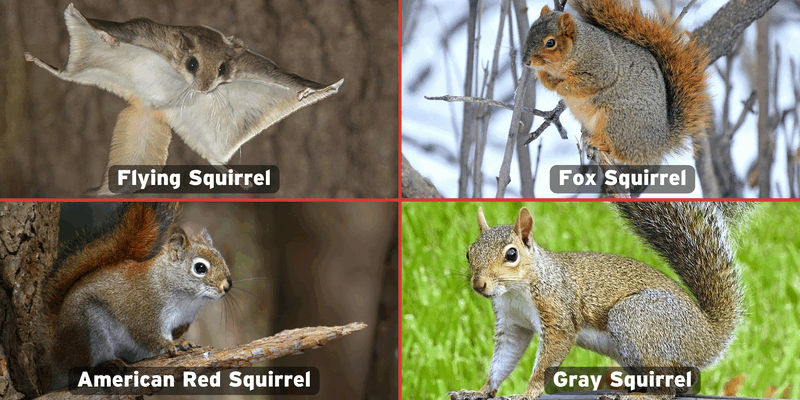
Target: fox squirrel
pixel 636 84
pixel 129 290
pixel 610 304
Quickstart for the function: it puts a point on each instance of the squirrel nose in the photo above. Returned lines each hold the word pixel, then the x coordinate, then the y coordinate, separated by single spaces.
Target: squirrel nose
pixel 479 285
pixel 229 285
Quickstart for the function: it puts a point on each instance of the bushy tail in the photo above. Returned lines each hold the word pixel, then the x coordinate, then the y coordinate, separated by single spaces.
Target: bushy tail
pixel 694 239
pixel 682 59
pixel 136 231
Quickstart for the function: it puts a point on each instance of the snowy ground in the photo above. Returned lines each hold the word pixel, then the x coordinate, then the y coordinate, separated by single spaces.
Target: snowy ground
pixel 433 67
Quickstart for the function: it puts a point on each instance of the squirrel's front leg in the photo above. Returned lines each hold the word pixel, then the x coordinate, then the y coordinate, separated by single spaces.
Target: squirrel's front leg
pixel 176 345
pixel 511 341
pixel 554 346
pixel 550 82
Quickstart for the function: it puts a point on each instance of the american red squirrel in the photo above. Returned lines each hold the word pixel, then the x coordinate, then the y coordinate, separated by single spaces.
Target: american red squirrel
pixel 610 304
pixel 207 87
pixel 129 290
pixel 637 84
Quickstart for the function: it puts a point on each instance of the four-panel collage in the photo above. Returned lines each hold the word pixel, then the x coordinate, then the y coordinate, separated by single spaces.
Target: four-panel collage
pixel 411 199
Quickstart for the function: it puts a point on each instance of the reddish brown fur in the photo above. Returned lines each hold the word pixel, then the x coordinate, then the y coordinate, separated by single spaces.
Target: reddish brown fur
pixel 683 62
pixel 137 233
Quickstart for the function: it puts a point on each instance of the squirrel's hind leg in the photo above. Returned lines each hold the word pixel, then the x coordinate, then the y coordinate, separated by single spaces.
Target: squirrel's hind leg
pixel 141 137
pixel 648 331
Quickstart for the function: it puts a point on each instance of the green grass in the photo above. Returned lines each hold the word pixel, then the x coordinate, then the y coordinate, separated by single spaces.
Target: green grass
pixel 447 329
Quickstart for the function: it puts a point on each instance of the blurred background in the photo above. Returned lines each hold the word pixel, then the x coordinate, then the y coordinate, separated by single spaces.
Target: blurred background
pixel 296 265
pixel 55 135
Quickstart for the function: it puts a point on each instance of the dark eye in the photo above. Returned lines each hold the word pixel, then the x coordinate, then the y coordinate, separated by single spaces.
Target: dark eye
pixel 550 43
pixel 511 255
pixel 200 267
pixel 192 64
pixel 467 256
pixel 222 69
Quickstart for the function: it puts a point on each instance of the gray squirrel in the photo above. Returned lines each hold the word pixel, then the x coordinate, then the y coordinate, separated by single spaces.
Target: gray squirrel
pixel 609 304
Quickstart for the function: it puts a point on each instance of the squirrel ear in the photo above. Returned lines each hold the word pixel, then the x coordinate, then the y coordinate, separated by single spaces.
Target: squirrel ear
pixel 482 221
pixel 185 43
pixel 567 25
pixel 204 237
pixel 545 10
pixel 524 226
pixel 236 48
pixel 178 242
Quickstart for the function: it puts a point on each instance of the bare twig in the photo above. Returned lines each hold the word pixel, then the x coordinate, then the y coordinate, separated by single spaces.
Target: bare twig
pixel 505 168
pixel 294 341
pixel 494 103
pixel 485 112
pixel 748 108
pixel 470 99
pixel 551 118
pixel 523 153
pixel 468 125
pixel 684 11
pixel 765 139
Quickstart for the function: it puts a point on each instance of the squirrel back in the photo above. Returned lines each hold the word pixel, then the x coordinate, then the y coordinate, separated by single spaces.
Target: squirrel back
pixel 683 61
pixel 636 84
pixel 136 231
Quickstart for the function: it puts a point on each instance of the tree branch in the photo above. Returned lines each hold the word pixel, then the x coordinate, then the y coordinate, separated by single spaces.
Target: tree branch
pixel 720 33
pixel 294 341
pixel 505 168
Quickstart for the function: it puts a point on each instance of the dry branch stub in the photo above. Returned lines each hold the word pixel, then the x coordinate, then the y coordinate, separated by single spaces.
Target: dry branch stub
pixel 289 342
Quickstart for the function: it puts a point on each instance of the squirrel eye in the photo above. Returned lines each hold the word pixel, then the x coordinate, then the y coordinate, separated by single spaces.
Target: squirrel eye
pixel 550 43
pixel 511 255
pixel 467 255
pixel 192 64
pixel 199 267
pixel 222 69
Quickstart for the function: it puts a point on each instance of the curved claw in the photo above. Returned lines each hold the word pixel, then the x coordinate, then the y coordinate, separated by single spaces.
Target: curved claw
pixel 180 345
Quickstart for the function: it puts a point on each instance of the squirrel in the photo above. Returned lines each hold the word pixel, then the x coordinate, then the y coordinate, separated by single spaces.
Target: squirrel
pixel 128 290
pixel 208 88
pixel 636 84
pixel 612 305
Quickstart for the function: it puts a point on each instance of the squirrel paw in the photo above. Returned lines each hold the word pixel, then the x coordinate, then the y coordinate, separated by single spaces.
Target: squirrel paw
pixel 468 395
pixel 637 396
pixel 181 345
pixel 523 397
pixel 116 366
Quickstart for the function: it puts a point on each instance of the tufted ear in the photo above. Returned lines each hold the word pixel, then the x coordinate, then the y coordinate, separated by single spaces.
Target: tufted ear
pixel 235 48
pixel 178 243
pixel 545 10
pixel 185 42
pixel 524 226
pixel 482 221
pixel 567 26
pixel 203 237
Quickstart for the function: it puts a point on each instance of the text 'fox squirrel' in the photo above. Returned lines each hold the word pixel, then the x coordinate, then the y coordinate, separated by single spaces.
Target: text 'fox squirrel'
pixel 129 291
pixel 636 84
pixel 610 304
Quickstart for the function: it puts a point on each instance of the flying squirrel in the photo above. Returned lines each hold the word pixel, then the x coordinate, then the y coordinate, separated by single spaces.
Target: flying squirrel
pixel 207 87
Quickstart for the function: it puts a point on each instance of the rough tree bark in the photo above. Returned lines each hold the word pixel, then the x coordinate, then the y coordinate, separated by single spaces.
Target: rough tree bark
pixel 28 239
